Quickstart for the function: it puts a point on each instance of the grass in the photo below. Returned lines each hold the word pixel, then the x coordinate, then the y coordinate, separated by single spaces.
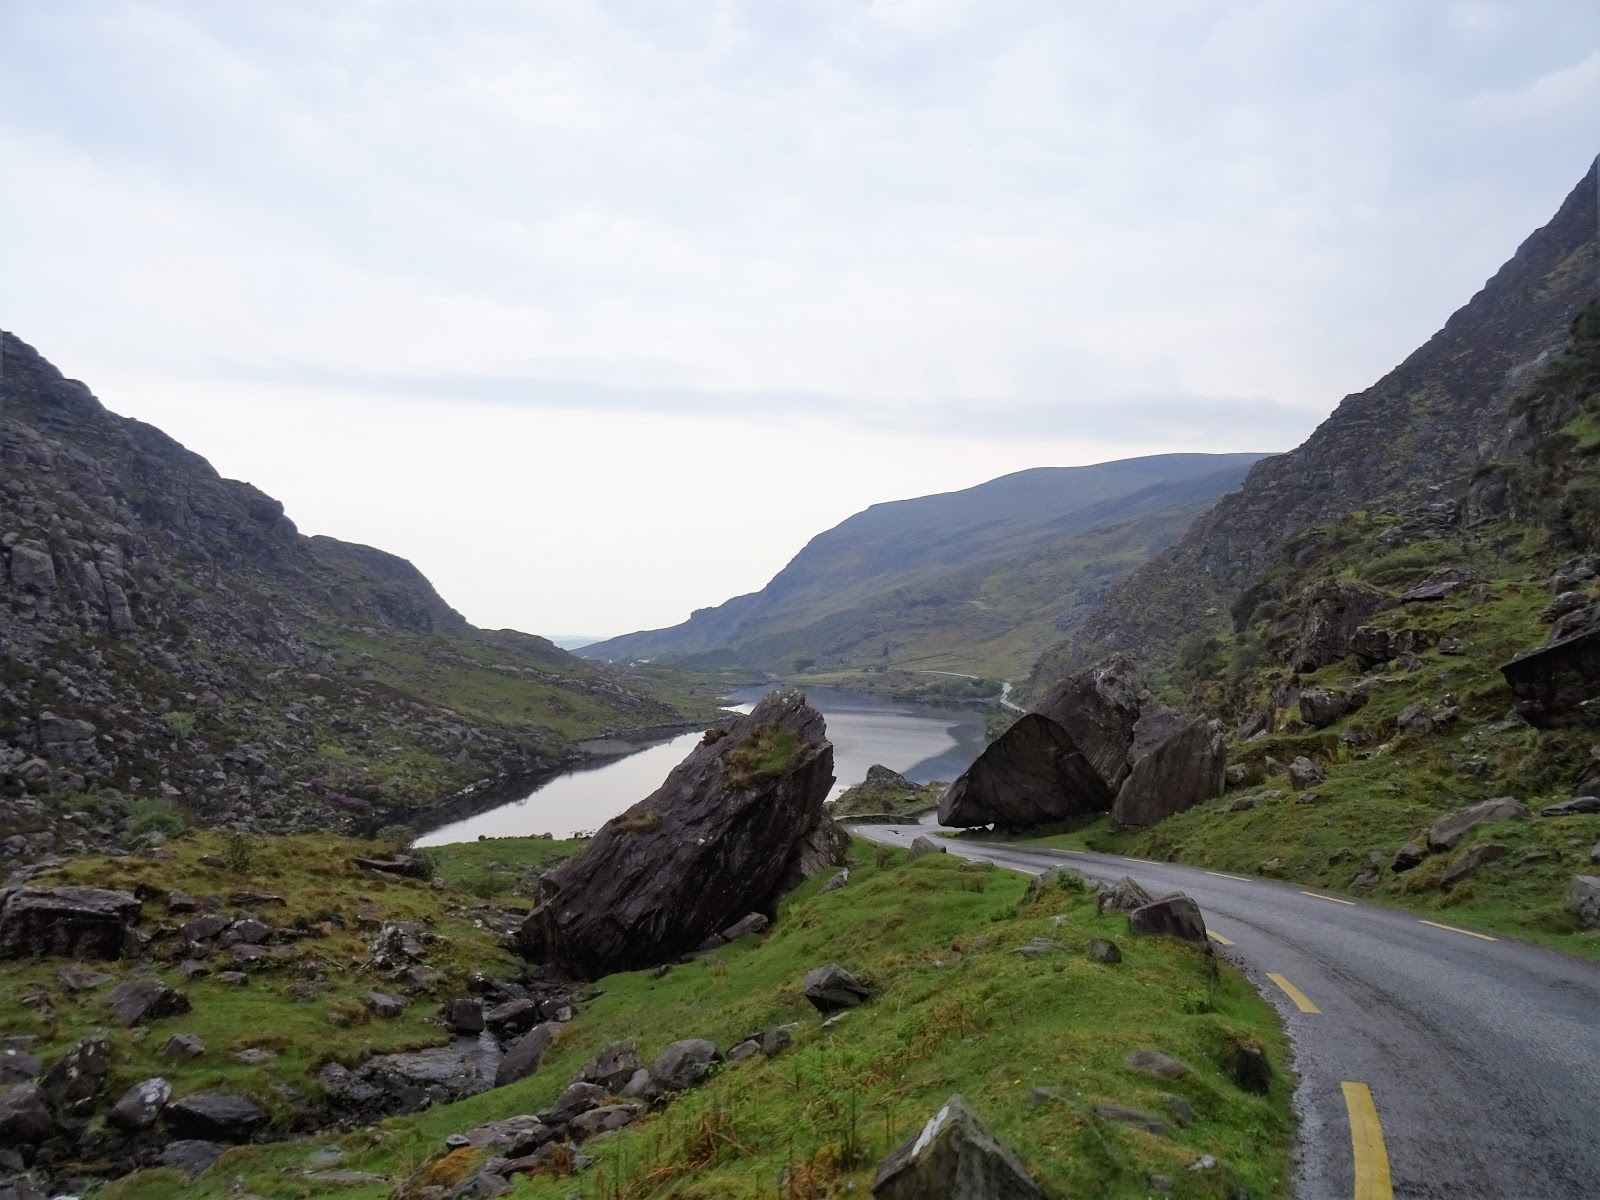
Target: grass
pixel 766 752
pixel 955 1010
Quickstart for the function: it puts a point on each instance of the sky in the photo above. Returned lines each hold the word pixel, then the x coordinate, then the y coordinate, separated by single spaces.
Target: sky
pixel 598 311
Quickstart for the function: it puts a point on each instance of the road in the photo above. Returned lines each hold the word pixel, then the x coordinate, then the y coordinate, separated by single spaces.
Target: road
pixel 1480 1056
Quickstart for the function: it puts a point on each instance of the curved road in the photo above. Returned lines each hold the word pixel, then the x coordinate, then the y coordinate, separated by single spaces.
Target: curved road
pixel 1480 1055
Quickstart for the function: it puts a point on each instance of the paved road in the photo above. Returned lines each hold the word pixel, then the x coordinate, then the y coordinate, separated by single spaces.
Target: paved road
pixel 1481 1056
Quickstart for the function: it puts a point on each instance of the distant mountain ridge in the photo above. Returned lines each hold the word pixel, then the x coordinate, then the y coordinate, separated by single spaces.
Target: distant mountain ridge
pixel 863 591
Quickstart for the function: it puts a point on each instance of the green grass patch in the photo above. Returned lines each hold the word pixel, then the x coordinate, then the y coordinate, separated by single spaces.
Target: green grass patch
pixel 955 1009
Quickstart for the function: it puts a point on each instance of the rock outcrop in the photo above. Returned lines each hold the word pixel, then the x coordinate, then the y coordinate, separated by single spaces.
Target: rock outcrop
pixel 69 922
pixel 734 824
pixel 1098 742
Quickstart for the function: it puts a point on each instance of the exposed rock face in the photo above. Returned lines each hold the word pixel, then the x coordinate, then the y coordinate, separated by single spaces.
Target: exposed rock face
pixel 1420 426
pixel 1333 612
pixel 1559 683
pixel 77 1077
pixel 216 1116
pixel 954 1157
pixel 1374 644
pixel 134 603
pixel 89 923
pixel 1074 753
pixel 722 837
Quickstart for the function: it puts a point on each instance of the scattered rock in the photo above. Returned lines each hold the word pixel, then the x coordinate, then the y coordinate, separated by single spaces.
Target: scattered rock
pixel 140 1106
pixel 141 1000
pixel 1566 602
pixel 749 923
pixel 726 834
pixel 410 866
pixel 384 1005
pixel 605 1119
pixel 215 1116
pixel 1531 857
pixel 1321 707
pixel 1103 950
pixel 1577 806
pixel 1486 852
pixel 1176 916
pixel 1449 829
pixel 1407 857
pixel 1368 879
pixel 1137 1117
pixel 25 1117
pixel 684 1064
pixel 1556 682
pixel 1303 773
pixel 612 1068
pixel 577 1098
pixel 81 979
pixel 836 882
pixel 191 1155
pixel 17 1065
pixel 525 1054
pixel 954 1157
pixel 1153 1062
pixel 924 845
pixel 463 1015
pixel 66 922
pixel 1039 947
pixel 1584 899
pixel 1247 1066
pixel 182 1046
pixel 1125 895
pixel 831 987
pixel 1440 587
pixel 77 1077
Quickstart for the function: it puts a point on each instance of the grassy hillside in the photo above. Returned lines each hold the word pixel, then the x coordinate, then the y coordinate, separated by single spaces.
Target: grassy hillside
pixel 977 581
pixel 955 1009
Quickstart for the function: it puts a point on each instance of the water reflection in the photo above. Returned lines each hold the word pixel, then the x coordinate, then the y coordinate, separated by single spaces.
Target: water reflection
pixel 922 741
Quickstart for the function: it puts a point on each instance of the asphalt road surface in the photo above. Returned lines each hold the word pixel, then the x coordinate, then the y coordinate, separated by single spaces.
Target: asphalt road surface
pixel 1434 1061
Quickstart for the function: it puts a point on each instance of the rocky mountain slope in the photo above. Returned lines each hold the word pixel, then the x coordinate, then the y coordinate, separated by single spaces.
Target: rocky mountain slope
pixel 1418 433
pixel 978 580
pixel 172 648
pixel 1412 687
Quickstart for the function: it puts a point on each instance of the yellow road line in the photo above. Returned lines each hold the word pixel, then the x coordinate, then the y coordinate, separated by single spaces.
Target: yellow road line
pixel 1483 936
pixel 1225 875
pixel 1335 899
pixel 1219 939
pixel 1366 1139
pixel 1301 1000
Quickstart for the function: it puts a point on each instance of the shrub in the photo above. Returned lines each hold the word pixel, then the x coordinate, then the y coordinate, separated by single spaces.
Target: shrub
pixel 239 853
pixel 157 814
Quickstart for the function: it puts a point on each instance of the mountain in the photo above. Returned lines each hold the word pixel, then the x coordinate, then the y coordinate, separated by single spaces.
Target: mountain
pixel 173 649
pixel 1418 433
pixel 976 580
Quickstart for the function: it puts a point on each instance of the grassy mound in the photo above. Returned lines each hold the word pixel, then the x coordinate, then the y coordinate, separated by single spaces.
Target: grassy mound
pixel 955 1009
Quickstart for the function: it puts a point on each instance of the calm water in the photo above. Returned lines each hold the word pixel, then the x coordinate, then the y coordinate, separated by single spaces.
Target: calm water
pixel 923 742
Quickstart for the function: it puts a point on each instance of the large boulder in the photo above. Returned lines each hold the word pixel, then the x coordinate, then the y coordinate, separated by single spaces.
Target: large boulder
pixel 525 1054
pixel 1449 829
pixel 954 1157
pixel 1182 771
pixel 1071 755
pixel 67 922
pixel 684 1064
pixel 1559 682
pixel 735 824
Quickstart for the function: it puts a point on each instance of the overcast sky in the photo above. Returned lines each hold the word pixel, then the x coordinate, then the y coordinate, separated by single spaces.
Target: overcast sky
pixel 598 311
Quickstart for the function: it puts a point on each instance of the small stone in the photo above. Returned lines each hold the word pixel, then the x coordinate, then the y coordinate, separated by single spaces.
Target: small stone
pixel 684 1064
pixel 748 1048
pixel 1408 856
pixel 385 1006
pixel 1103 950
pixel 1248 1067
pixel 1157 1064
pixel 1181 1110
pixel 145 1000
pixel 830 988
pixel 182 1046
pixel 140 1106
pixel 1137 1117
pixel 232 978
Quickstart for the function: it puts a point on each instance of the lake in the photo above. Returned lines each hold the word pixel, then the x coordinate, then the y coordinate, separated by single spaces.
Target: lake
pixel 924 742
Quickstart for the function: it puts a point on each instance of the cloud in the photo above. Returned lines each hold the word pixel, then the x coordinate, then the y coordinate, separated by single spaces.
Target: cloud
pixel 1151 226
